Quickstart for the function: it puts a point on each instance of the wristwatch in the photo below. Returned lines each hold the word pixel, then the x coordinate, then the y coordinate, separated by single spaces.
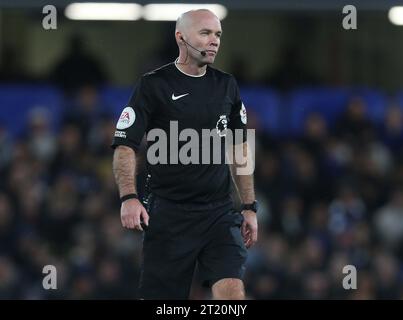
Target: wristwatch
pixel 254 206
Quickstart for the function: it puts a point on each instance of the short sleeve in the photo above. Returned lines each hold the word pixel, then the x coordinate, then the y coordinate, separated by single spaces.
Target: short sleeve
pixel 238 118
pixel 135 117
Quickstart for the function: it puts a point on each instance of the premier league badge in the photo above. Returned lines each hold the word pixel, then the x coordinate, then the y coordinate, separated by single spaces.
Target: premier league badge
pixel 222 126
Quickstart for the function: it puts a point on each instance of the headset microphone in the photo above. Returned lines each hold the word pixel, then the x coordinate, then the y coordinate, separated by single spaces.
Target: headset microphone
pixel 202 52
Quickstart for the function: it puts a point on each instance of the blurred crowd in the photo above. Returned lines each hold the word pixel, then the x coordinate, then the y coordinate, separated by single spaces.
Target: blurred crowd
pixel 330 197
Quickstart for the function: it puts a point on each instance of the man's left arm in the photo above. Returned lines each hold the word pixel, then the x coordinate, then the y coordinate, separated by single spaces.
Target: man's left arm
pixel 245 186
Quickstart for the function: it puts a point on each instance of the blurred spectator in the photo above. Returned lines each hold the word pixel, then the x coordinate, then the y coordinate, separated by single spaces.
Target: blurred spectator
pixel 336 263
pixel 354 125
pixel 388 222
pixel 386 275
pixel 315 134
pixel 5 148
pixel 86 113
pixel 316 285
pixel 345 211
pixel 7 226
pixel 9 279
pixel 331 197
pixel 365 287
pixel 78 68
pixel 292 218
pixel 40 137
pixel 391 133
pixel 69 149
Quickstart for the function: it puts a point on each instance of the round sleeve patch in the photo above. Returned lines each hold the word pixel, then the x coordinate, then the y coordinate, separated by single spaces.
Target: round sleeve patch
pixel 242 113
pixel 126 119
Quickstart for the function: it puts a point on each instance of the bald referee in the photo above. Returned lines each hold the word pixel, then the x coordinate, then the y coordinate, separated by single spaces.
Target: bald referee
pixel 188 216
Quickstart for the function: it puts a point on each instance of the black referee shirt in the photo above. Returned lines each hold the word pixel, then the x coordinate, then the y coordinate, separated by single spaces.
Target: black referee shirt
pixel 211 101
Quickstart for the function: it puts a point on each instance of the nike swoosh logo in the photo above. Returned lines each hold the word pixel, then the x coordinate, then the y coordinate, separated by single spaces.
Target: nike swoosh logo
pixel 178 97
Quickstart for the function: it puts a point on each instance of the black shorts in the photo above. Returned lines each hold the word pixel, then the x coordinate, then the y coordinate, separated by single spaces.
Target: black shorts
pixel 180 236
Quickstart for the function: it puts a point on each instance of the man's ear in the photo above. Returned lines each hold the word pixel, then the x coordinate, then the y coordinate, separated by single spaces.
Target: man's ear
pixel 179 37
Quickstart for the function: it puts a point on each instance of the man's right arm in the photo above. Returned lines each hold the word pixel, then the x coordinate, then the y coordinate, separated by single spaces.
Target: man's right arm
pixel 124 170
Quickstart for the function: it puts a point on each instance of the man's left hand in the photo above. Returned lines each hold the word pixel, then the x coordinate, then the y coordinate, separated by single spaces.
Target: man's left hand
pixel 249 228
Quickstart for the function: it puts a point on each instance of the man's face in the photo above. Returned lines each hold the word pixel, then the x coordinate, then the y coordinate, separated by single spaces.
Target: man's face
pixel 204 34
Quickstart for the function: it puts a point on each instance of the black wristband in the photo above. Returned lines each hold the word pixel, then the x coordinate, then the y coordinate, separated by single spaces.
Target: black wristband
pixel 254 206
pixel 129 196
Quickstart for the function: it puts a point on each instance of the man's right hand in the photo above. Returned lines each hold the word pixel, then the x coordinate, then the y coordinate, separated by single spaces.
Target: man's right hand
pixel 131 214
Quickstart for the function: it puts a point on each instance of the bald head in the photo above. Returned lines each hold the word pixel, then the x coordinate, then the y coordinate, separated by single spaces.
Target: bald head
pixel 189 19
